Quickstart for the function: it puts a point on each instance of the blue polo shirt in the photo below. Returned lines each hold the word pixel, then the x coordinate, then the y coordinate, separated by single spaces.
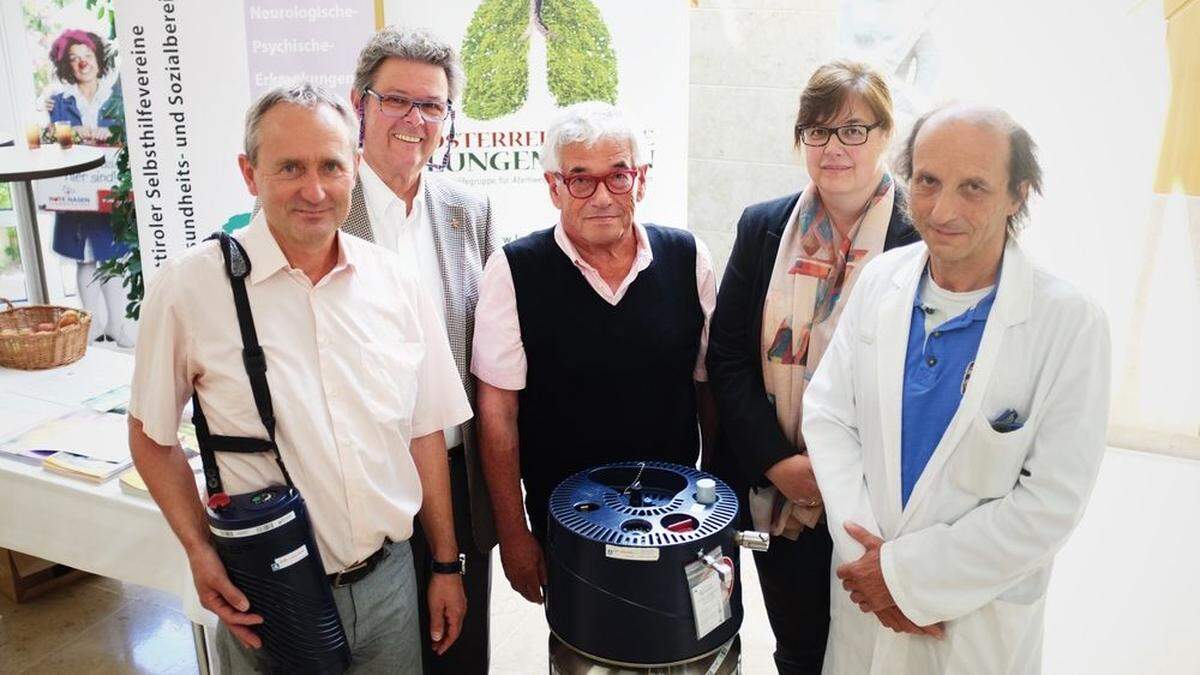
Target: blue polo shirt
pixel 936 371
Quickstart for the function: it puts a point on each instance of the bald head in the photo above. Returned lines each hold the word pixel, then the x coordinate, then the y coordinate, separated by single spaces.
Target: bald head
pixel 972 114
pixel 957 122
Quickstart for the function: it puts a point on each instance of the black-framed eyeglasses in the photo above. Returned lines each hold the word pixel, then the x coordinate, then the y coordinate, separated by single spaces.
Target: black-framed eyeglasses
pixel 395 105
pixel 849 134
pixel 583 185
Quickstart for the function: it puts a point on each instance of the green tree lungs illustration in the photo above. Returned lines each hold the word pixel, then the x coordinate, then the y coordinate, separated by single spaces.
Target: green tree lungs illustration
pixel 581 64
pixel 494 55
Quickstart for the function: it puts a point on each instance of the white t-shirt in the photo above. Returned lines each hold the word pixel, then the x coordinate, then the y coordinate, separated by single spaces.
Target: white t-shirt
pixel 89 111
pixel 941 305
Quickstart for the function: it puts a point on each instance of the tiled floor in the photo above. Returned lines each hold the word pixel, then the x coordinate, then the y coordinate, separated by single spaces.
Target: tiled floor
pixel 96 626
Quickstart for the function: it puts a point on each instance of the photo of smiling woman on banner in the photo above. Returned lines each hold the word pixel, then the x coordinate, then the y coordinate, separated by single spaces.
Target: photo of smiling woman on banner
pixel 84 102
pixel 73 60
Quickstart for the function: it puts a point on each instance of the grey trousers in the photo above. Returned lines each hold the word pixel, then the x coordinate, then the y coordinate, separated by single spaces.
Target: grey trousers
pixel 379 615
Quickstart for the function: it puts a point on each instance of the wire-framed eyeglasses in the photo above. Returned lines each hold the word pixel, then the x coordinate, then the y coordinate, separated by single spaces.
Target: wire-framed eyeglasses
pixel 395 105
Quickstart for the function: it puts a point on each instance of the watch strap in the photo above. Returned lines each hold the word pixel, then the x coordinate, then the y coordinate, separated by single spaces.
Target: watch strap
pixel 459 566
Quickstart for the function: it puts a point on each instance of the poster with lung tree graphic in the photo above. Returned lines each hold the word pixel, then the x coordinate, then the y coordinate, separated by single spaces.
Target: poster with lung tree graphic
pixel 526 59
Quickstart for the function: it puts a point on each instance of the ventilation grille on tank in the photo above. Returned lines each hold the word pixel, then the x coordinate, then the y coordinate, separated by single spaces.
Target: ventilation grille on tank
pixel 609 519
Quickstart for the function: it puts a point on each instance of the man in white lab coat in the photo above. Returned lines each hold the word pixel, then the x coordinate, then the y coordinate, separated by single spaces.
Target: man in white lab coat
pixel 957 422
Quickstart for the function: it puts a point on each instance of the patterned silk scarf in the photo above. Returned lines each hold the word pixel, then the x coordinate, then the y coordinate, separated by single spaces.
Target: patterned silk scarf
pixel 813 274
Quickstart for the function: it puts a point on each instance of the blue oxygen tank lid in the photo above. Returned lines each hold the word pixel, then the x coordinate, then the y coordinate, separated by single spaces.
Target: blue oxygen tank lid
pixel 643 504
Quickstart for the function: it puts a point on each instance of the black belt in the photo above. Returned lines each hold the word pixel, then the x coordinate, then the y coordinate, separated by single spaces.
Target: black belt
pixel 358 571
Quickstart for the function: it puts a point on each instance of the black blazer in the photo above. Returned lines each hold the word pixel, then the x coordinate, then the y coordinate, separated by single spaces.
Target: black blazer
pixel 749 440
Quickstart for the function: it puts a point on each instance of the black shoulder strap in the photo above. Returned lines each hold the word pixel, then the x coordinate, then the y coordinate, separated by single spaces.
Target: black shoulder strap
pixel 237 266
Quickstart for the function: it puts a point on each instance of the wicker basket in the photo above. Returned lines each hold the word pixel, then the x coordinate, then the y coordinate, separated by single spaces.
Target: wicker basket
pixel 47 349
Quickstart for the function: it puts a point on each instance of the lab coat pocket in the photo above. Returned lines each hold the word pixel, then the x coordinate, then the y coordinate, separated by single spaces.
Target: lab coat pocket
pixel 389 378
pixel 992 461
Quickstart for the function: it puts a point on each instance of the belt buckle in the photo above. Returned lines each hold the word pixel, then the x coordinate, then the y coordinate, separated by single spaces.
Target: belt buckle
pixel 337 580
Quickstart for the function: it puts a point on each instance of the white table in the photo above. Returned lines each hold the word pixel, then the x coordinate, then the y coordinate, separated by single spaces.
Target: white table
pixel 99 371
pixel 20 166
pixel 95 528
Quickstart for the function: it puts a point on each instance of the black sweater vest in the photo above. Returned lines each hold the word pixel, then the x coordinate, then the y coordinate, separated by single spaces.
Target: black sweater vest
pixel 604 383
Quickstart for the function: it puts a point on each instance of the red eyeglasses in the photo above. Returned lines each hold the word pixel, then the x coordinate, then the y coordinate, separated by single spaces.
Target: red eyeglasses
pixel 583 185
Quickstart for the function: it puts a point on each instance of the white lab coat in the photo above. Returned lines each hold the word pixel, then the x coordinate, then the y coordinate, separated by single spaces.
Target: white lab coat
pixel 974 546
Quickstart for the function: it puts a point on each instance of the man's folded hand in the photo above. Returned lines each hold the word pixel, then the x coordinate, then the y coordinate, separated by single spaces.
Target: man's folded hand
pixel 893 618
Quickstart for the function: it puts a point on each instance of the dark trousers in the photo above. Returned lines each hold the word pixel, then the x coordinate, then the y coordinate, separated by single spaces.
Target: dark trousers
pixel 469 654
pixel 794 576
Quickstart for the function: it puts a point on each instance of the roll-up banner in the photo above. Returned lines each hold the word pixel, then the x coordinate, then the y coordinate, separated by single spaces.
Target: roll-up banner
pixel 191 70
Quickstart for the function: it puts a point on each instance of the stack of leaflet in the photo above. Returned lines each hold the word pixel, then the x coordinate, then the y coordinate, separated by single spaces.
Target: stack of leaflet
pixel 80 466
pixel 132 483
pixel 84 443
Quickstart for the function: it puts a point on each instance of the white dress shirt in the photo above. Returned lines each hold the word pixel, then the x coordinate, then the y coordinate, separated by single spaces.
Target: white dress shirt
pixel 409 233
pixel 355 373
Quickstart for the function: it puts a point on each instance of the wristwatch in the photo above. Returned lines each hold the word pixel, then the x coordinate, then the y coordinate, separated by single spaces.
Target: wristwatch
pixel 459 566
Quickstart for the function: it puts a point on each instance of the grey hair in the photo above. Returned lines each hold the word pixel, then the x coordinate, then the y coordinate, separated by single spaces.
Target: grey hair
pixel 589 123
pixel 1023 165
pixel 408 44
pixel 303 94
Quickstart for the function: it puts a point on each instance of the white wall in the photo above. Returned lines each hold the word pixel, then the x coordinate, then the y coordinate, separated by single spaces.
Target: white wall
pixel 1125 592
pixel 750 59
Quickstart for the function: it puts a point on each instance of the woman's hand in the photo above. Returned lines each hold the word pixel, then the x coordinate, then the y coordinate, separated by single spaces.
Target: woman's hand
pixel 795 479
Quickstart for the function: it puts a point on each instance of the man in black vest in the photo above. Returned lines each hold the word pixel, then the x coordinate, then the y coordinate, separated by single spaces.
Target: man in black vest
pixel 590 336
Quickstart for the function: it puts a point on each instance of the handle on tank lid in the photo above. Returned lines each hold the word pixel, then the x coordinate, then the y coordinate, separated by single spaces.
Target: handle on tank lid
pixel 706 491
pixel 636 496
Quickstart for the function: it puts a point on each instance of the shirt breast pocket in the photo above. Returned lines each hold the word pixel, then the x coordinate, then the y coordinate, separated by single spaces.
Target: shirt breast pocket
pixel 991 461
pixel 389 378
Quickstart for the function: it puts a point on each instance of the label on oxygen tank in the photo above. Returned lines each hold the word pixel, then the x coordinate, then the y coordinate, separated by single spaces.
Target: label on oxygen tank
pixel 257 529
pixel 631 553
pixel 710 583
pixel 289 559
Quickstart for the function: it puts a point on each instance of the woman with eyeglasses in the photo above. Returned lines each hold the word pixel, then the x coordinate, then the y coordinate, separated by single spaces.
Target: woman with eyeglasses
pixel 793 264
